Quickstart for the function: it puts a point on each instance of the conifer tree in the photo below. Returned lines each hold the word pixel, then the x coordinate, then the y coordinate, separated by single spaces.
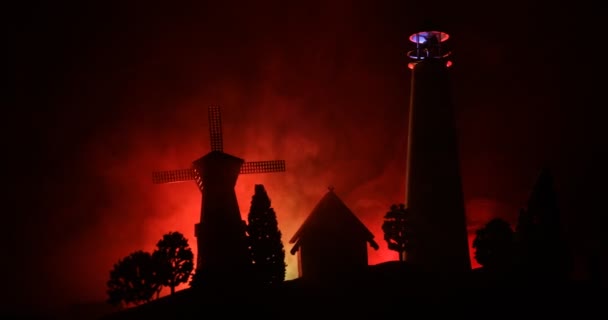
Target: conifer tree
pixel 541 246
pixel 266 247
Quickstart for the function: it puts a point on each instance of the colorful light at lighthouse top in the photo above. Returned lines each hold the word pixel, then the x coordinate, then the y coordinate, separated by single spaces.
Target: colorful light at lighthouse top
pixel 430 45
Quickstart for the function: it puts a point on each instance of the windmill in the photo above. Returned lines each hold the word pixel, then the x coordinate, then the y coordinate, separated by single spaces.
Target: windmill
pixel 220 233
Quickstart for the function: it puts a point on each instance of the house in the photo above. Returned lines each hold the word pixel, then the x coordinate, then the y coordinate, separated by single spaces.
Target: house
pixel 332 241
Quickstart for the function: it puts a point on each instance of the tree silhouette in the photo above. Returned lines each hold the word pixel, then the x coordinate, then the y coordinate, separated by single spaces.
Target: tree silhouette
pixel 541 246
pixel 394 227
pixel 133 280
pixel 195 280
pixel 494 245
pixel 175 260
pixel 266 247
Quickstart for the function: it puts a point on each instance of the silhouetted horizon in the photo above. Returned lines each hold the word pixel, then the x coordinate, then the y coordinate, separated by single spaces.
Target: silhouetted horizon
pixel 104 94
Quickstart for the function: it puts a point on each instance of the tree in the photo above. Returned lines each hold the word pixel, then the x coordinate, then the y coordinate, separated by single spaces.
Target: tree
pixel 494 245
pixel 175 260
pixel 394 227
pixel 195 280
pixel 541 246
pixel 266 247
pixel 133 280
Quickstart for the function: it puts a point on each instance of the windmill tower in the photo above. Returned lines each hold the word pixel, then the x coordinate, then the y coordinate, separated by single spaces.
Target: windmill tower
pixel 221 240
pixel 434 197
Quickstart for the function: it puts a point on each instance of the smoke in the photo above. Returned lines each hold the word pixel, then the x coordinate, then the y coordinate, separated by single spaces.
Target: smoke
pixel 316 87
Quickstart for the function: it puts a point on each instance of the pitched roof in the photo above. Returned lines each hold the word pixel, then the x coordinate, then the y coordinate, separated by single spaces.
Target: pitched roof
pixel 331 209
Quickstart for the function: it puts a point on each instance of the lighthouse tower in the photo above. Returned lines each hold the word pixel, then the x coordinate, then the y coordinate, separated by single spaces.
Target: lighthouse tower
pixel 438 241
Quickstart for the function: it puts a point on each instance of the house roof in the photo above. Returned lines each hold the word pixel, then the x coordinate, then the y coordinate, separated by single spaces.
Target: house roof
pixel 331 210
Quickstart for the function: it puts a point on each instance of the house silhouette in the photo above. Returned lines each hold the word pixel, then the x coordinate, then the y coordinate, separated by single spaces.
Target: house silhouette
pixel 332 241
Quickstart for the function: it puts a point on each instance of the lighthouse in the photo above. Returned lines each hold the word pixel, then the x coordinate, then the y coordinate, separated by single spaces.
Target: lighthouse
pixel 438 234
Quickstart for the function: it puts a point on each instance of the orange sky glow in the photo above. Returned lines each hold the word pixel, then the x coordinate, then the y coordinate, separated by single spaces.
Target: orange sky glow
pixel 107 94
pixel 329 106
pixel 125 159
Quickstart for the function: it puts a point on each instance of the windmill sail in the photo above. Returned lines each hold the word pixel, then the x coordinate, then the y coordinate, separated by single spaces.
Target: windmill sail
pixel 173 176
pixel 263 166
pixel 215 129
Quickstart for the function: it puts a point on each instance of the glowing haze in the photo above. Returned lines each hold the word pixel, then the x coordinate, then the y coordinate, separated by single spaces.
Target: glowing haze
pixel 325 88
pixel 355 147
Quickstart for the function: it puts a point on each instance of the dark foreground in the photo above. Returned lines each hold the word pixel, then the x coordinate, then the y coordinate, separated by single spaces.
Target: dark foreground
pixel 386 290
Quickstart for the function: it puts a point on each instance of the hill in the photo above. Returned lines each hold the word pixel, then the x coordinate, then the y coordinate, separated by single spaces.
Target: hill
pixel 382 290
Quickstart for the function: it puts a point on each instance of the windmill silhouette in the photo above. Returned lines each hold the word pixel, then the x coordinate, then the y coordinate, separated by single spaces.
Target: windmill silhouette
pixel 221 239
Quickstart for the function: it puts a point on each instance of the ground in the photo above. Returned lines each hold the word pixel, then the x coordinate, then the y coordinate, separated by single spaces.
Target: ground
pixel 384 290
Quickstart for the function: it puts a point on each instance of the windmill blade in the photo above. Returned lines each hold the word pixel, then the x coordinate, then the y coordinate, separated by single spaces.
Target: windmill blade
pixel 263 166
pixel 215 129
pixel 173 176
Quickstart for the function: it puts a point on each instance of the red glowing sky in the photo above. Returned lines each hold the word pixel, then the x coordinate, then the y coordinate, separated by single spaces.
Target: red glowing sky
pixel 105 101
